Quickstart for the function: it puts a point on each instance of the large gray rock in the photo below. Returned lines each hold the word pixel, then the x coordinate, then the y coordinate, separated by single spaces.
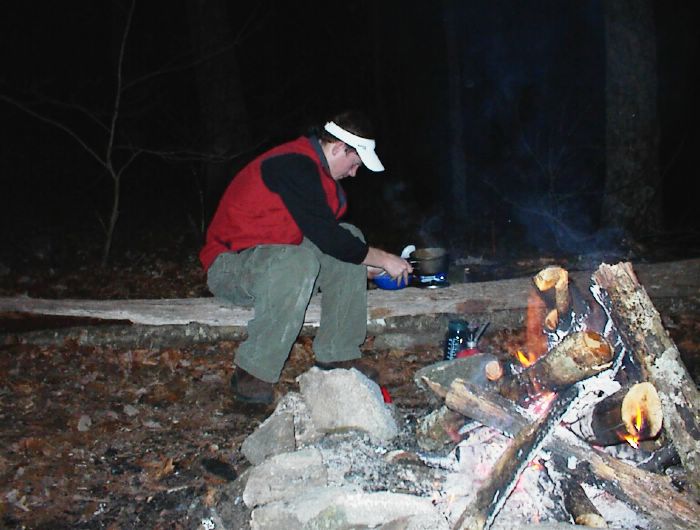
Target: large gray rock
pixel 343 400
pixel 340 508
pixel 288 427
pixel 274 436
pixel 284 476
pixel 297 512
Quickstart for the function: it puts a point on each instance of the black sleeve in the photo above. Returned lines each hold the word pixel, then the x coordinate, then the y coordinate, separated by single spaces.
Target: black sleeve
pixel 295 178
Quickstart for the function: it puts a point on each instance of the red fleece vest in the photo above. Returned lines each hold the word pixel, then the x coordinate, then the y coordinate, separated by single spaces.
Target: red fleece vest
pixel 249 214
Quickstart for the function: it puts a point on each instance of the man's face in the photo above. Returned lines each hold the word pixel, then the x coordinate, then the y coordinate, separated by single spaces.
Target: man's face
pixel 345 162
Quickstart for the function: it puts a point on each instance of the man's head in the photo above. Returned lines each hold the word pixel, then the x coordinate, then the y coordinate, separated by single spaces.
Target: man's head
pixel 347 143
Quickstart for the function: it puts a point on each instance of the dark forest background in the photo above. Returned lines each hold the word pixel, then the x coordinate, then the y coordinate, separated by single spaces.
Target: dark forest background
pixel 508 128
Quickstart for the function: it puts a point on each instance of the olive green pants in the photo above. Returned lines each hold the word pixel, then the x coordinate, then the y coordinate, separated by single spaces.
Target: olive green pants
pixel 278 281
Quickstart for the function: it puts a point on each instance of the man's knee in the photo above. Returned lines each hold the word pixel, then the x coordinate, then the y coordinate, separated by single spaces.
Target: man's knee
pixel 299 264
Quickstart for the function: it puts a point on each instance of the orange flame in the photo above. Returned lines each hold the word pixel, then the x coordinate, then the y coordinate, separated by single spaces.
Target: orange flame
pixel 525 360
pixel 639 419
pixel 633 438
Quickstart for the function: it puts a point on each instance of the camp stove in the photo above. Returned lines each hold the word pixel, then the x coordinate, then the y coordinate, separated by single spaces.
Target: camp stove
pixel 432 281
pixel 430 266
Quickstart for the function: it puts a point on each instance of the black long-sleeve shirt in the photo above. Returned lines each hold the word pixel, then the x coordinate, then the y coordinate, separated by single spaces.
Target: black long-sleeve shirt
pixel 295 178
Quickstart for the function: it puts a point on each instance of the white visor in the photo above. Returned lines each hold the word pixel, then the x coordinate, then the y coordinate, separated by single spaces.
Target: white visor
pixel 363 146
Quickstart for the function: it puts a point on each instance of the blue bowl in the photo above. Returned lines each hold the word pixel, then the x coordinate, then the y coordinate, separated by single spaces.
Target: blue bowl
pixel 384 281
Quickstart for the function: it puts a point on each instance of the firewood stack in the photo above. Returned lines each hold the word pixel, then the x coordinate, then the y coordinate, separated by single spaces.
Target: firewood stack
pixel 615 377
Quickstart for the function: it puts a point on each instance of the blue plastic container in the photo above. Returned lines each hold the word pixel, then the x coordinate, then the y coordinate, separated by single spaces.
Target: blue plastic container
pixel 384 281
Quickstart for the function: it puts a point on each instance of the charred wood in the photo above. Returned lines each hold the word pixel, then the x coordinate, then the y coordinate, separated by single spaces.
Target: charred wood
pixel 652 493
pixel 580 507
pixel 484 406
pixel 661 459
pixel 632 413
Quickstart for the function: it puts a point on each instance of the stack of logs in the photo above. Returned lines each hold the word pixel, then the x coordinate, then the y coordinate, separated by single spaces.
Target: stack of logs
pixel 589 338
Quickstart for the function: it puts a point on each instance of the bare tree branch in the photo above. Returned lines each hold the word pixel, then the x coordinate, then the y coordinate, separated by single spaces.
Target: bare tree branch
pixel 57 124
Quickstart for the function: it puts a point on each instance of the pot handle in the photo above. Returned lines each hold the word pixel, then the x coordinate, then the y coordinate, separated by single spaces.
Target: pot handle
pixel 407 251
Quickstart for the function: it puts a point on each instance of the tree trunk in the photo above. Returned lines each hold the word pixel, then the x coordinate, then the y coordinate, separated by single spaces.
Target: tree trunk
pixel 632 198
pixel 221 106
pixel 457 206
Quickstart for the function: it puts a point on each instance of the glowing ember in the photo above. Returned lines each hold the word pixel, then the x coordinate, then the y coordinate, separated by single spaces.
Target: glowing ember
pixel 543 403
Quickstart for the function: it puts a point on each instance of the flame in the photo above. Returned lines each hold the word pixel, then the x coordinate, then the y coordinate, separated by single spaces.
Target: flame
pixel 526 360
pixel 535 339
pixel 632 438
pixel 639 419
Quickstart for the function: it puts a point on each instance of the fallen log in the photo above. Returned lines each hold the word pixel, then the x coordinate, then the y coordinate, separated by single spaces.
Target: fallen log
pixel 404 313
pixel 639 325
pixel 651 493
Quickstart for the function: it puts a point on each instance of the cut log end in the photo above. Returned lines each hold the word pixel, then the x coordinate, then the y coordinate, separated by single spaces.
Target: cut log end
pixel 551 320
pixel 641 411
pixel 494 370
pixel 557 278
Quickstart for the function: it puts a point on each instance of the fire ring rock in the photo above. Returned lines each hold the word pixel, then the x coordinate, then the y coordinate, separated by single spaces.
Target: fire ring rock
pixel 342 400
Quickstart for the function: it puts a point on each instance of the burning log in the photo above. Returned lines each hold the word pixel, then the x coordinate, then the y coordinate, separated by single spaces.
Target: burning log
pixel 640 327
pixel 577 503
pixel 439 428
pixel 630 414
pixel 557 278
pixel 504 476
pixel 484 406
pixel 578 356
pixel 653 494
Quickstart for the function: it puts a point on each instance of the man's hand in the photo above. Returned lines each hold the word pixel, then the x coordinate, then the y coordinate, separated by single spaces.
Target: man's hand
pixel 395 266
pixel 373 272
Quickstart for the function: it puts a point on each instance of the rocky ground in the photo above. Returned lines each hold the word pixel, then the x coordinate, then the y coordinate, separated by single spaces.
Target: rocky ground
pixel 137 438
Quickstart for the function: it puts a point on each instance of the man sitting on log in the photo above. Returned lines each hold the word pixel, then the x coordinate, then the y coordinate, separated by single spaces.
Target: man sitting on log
pixel 276 237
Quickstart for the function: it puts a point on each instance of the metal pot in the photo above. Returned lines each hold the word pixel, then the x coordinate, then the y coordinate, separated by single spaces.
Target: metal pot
pixel 429 261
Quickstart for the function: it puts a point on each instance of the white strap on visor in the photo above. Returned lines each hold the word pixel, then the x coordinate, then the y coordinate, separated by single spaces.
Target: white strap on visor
pixel 363 146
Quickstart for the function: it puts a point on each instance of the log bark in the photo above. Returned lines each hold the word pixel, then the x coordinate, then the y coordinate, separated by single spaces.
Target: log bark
pixel 653 494
pixel 485 406
pixel 578 356
pixel 639 325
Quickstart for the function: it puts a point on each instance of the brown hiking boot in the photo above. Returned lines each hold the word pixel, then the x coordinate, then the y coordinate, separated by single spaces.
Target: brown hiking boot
pixel 361 365
pixel 249 389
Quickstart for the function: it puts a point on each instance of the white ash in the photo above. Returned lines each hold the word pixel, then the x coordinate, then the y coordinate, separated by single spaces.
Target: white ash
pixel 615 512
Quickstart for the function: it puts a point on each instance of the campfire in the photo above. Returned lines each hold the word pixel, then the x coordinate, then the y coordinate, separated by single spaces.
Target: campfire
pixel 576 426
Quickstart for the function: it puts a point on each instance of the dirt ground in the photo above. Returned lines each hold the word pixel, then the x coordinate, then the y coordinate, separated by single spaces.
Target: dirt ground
pixel 131 438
